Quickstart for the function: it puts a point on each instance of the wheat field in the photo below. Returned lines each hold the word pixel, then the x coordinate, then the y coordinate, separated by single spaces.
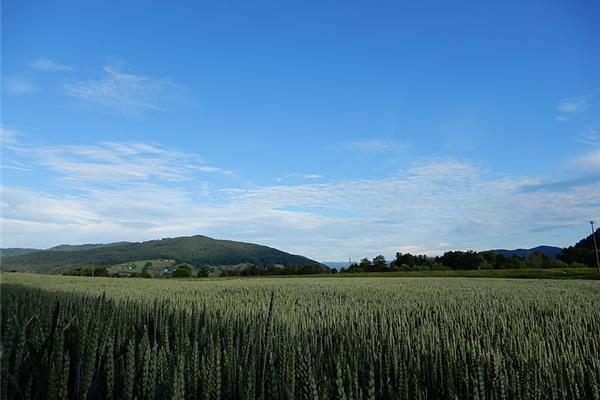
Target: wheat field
pixel 299 338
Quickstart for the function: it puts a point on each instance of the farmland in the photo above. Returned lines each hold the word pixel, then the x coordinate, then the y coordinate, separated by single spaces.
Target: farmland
pixel 396 338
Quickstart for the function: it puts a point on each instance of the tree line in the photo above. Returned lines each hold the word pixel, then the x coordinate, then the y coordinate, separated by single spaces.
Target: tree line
pixel 458 260
pixel 580 255
pixel 185 270
pixel 450 260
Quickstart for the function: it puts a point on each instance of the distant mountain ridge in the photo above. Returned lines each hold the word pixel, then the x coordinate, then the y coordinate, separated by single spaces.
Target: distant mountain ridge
pixel 336 264
pixel 550 251
pixel 196 250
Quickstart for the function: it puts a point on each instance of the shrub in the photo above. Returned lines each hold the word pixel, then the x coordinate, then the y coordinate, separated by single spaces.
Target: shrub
pixel 202 273
pixel 436 266
pixel 88 271
pixel 182 271
pixel 578 265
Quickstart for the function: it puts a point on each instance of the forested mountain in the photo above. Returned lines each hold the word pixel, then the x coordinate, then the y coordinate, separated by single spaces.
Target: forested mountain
pixel 15 251
pixel 582 252
pixel 79 247
pixel 195 250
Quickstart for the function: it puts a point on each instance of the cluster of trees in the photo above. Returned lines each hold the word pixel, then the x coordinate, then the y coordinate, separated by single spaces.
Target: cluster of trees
pixel 99 271
pixel 252 270
pixel 182 271
pixel 103 272
pixel 185 270
pixel 458 260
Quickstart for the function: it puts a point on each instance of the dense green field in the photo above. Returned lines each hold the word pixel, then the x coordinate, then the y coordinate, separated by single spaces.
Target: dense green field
pixel 328 338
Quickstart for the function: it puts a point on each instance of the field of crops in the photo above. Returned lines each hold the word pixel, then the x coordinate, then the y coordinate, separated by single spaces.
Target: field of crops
pixel 301 338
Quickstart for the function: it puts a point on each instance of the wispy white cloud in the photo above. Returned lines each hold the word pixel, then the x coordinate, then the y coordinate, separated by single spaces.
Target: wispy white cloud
pixel 121 162
pixel 590 161
pixel 19 86
pixel 45 64
pixel 8 136
pixel 428 207
pixel 105 162
pixel 564 184
pixel 574 105
pixel 590 136
pixel 125 92
pixel 15 165
pixel 301 176
pixel 568 107
pixel 139 212
pixel 138 191
pixel 375 146
pixel 9 143
pixel 434 206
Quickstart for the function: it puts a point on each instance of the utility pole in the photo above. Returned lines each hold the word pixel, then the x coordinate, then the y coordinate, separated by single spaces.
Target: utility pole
pixel 595 246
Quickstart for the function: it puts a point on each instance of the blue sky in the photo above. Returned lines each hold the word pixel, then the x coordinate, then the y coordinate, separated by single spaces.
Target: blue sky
pixel 331 129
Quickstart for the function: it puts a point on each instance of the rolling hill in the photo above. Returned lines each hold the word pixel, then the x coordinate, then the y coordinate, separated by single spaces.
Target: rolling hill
pixel 195 250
